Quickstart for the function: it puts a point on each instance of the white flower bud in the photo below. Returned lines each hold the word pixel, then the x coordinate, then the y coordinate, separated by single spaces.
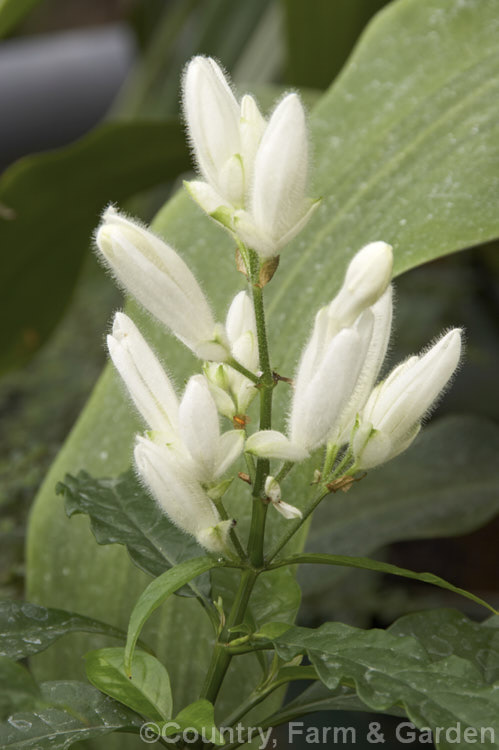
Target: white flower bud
pixel 273 444
pixel 144 377
pixel 366 279
pixel 382 312
pixel 391 418
pixel 272 489
pixel 273 492
pixel 241 333
pixel 212 116
pixel 216 538
pixel 199 430
pixel 160 280
pixel 174 487
pixel 323 389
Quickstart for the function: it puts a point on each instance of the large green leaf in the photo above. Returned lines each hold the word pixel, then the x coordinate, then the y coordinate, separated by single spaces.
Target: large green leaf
pixel 27 628
pixel 74 711
pixel 446 631
pixel 388 670
pixel 50 204
pixel 145 688
pixel 386 169
pixel 445 484
pixel 12 12
pixel 200 716
pixel 18 690
pixel 122 512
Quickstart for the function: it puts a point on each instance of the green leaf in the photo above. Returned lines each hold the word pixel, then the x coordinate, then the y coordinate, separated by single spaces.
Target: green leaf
pixel 386 170
pixel 18 690
pixel 446 632
pixel 200 716
pixel 50 204
pixel 158 592
pixel 27 628
pixel 122 512
pixel 445 485
pixel 388 670
pixel 12 12
pixel 364 563
pixel 145 688
pixel 320 36
pixel 73 712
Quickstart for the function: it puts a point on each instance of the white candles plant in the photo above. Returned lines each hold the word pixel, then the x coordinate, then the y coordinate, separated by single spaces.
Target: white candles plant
pixel 344 415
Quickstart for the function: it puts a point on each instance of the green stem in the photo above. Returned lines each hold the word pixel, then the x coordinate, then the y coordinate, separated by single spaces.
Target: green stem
pixel 266 386
pixel 243 370
pixel 221 656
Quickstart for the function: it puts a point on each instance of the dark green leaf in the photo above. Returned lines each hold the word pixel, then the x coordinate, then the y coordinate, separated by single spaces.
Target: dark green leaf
pixel 388 670
pixel 49 205
pixel 18 690
pixel 199 716
pixel 12 12
pixel 74 712
pixel 26 628
pixel 446 632
pixel 147 690
pixel 321 35
pixel 122 512
pixel 364 563
pixel 446 484
pixel 158 592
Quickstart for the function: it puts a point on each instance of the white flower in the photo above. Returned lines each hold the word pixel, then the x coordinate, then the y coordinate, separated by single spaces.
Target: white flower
pixel 327 376
pixel 392 416
pixel 273 444
pixel 179 494
pixel 232 391
pixel 160 280
pixel 199 430
pixel 255 174
pixel 273 492
pixel 146 381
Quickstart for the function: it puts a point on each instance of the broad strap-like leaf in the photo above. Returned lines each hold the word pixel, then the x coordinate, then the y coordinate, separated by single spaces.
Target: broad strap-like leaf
pixel 73 711
pixel 146 689
pixel 18 690
pixel 397 671
pixel 122 512
pixel 158 592
pixel 365 563
pixel 26 628
pixel 445 484
pixel 51 204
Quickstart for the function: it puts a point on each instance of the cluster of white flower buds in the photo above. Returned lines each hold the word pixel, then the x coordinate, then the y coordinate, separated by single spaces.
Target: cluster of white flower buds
pixel 254 183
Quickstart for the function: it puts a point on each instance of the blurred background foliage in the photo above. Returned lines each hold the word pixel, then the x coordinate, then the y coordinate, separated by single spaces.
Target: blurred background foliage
pixel 56 301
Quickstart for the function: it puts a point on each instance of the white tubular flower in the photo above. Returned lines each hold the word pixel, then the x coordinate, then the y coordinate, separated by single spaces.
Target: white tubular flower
pixel 382 312
pixel 273 492
pixel 366 279
pixel 174 488
pixel 216 538
pixel 392 416
pixel 273 444
pixel 241 333
pixel 278 208
pixel 199 430
pixel 327 376
pixel 160 280
pixel 144 377
pixel 255 175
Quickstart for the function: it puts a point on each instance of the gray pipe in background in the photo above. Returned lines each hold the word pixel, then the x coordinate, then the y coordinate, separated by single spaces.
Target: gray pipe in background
pixel 54 88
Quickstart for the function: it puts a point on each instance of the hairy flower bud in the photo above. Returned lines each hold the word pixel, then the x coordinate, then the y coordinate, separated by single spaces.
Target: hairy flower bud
pixel 392 416
pixel 160 280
